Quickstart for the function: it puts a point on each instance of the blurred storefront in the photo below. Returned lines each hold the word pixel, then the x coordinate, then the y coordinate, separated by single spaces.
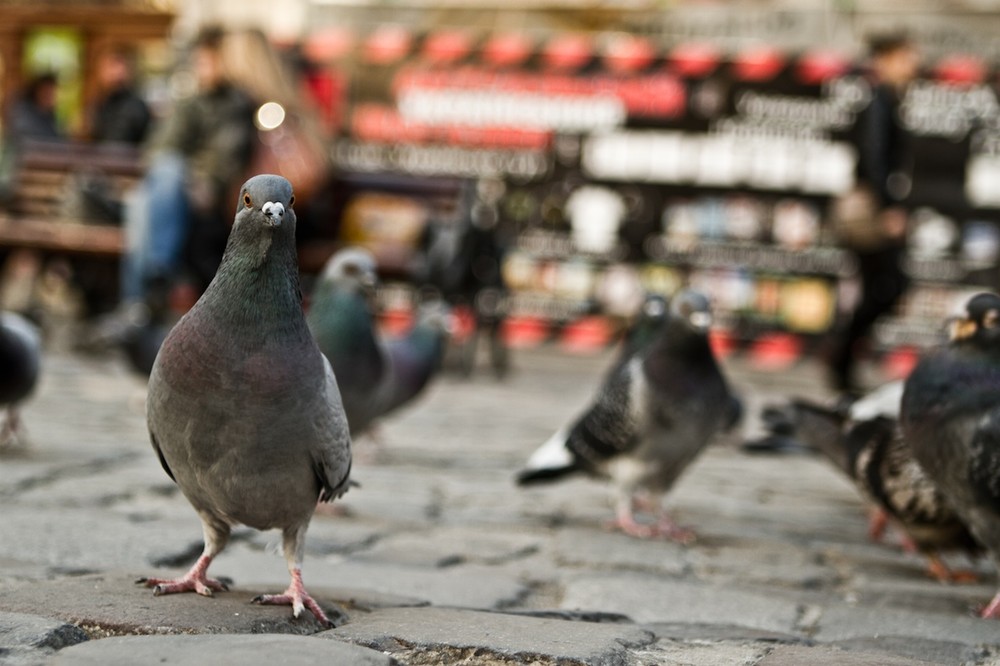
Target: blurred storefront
pixel 641 147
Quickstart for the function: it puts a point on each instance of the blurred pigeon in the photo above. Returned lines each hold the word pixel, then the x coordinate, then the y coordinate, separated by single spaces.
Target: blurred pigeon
pixel 863 439
pixel 375 376
pixel 20 354
pixel 342 319
pixel 656 410
pixel 414 358
pixel 951 420
pixel 243 409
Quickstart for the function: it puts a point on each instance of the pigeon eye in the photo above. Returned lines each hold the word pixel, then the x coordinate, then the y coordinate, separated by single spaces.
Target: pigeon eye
pixel 291 202
pixel 991 319
pixel 247 201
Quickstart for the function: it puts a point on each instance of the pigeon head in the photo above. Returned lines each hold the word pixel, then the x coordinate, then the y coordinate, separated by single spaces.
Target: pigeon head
pixel 692 309
pixel 352 268
pixel 265 204
pixel 982 321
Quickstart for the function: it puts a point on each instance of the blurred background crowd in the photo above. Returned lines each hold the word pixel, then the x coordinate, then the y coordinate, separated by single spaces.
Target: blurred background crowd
pixel 824 170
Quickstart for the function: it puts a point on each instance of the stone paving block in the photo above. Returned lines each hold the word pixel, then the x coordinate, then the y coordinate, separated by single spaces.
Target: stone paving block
pixel 112 604
pixel 821 655
pixel 941 652
pixel 469 585
pixel 88 538
pixel 220 650
pixel 693 631
pixel 669 653
pixel 442 635
pixel 23 630
pixel 598 549
pixel 646 599
pixel 838 623
pixel 447 546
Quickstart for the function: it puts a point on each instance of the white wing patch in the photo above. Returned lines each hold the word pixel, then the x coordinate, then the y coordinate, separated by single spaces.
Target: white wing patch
pixel 553 454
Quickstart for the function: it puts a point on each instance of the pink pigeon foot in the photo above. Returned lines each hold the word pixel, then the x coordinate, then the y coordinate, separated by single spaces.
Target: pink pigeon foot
pixel 878 521
pixel 992 611
pixel 193 581
pixel 667 528
pixel 296 597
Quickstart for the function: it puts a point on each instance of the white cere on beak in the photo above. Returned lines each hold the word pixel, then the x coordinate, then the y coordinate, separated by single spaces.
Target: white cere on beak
pixel 275 210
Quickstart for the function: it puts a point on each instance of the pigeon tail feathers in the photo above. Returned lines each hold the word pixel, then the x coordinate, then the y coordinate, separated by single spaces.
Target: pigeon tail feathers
pixel 550 461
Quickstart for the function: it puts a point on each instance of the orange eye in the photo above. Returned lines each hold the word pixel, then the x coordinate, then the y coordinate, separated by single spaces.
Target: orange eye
pixel 291 202
pixel 247 201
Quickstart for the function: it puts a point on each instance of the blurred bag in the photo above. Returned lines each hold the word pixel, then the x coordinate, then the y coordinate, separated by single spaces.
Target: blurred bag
pixel 855 216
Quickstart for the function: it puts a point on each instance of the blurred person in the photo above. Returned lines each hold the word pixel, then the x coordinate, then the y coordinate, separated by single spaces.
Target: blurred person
pixel 198 155
pixel 33 115
pixel 120 115
pixel 883 180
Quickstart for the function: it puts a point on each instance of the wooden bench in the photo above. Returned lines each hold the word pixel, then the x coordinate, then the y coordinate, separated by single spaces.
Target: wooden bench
pixel 44 211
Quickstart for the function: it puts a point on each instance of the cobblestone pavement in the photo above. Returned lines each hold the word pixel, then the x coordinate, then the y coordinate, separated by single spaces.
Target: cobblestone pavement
pixel 439 559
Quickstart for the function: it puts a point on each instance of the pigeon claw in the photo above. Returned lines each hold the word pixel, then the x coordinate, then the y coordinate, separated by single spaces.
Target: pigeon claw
pixel 206 587
pixel 296 597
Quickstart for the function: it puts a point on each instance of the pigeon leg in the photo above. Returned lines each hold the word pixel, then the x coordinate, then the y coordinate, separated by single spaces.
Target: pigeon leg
pixel 296 595
pixel 878 520
pixel 10 432
pixel 626 522
pixel 667 527
pixel 195 580
pixel 941 572
pixel 993 609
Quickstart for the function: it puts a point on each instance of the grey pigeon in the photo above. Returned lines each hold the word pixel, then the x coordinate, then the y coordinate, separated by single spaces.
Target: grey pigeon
pixel 20 354
pixel 951 419
pixel 864 440
pixel 376 376
pixel 243 409
pixel 659 406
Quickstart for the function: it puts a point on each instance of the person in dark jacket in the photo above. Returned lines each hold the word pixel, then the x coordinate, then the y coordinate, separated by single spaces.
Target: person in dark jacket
pixel 883 168
pixel 120 115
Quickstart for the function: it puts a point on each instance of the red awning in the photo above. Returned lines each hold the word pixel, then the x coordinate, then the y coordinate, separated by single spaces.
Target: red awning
pixel 567 51
pixel 818 66
pixel 329 44
pixel 960 69
pixel 759 63
pixel 446 47
pixel 507 49
pixel 628 53
pixel 387 44
pixel 695 59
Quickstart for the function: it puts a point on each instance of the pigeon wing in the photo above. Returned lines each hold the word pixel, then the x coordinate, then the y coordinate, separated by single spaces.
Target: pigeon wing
pixel 984 462
pixel 332 457
pixel 613 424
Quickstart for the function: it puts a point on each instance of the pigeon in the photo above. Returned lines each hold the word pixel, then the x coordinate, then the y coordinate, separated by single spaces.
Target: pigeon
pixel 658 407
pixel 376 376
pixel 243 409
pixel 414 358
pixel 950 417
pixel 864 440
pixel 20 354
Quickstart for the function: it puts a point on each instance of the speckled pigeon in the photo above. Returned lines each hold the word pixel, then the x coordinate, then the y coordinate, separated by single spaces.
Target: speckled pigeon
pixel 659 406
pixel 20 354
pixel 243 409
pixel 376 376
pixel 951 419
pixel 864 440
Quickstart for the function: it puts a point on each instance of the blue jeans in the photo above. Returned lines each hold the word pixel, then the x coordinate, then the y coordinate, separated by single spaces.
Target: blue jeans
pixel 156 226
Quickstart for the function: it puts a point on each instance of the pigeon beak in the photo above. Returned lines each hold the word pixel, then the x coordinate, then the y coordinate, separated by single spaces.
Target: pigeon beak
pixel 274 211
pixel 961 329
